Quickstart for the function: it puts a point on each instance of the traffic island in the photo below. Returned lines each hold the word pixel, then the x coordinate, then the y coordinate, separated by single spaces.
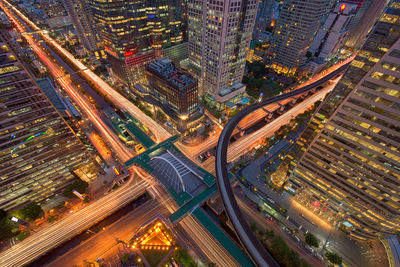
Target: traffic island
pixel 154 242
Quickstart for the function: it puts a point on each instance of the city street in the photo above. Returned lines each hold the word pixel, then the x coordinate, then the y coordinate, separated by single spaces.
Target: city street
pixel 121 102
pixel 349 249
pixel 69 87
pixel 123 229
pixel 254 215
pixel 206 244
pixel 247 142
pixel 52 236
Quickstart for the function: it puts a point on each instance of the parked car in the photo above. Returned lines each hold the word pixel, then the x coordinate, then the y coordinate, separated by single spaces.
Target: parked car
pixel 310 249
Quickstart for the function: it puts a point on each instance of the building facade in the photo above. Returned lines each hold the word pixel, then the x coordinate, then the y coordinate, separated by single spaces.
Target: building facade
pixel 219 34
pixel 331 36
pixel 174 87
pixel 297 24
pixel 267 14
pixel 134 33
pixel 348 158
pixel 367 14
pixel 82 19
pixel 55 14
pixel 175 91
pixel 39 152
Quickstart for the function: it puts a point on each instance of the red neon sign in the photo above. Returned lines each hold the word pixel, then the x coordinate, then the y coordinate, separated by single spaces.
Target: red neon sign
pixel 130 53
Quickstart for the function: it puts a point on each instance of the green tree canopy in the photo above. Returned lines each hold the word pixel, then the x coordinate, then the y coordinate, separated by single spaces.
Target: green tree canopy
pixel 311 240
pixel 257 68
pixel 78 185
pixel 334 258
pixel 32 211
pixel 184 258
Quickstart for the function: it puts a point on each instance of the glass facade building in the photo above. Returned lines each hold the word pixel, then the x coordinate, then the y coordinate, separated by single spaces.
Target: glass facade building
pixel 38 151
pixel 347 164
pixel 134 32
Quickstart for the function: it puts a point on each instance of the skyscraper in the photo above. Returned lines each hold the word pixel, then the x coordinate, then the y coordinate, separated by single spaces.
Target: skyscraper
pixel 348 170
pixel 219 35
pixel 330 37
pixel 298 22
pixel 366 16
pixel 125 35
pixel 267 14
pixel 39 152
pixel 134 32
pixel 82 19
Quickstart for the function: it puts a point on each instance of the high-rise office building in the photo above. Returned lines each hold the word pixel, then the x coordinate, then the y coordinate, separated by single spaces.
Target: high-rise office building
pixel 39 152
pixel 348 170
pixel 125 35
pixel 366 16
pixel 298 22
pixel 267 14
pixel 82 19
pixel 219 35
pixel 176 88
pixel 330 37
pixel 165 22
pixel 134 32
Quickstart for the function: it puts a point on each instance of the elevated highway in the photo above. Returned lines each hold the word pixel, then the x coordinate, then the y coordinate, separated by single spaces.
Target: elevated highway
pixel 253 247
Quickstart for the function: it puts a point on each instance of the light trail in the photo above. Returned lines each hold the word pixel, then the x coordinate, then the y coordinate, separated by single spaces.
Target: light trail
pixel 53 235
pixel 121 102
pixel 252 246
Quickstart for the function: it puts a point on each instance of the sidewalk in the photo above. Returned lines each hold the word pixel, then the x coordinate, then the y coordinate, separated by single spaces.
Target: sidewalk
pixel 350 250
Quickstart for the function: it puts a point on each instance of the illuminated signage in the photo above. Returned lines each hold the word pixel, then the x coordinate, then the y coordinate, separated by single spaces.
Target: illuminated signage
pixel 111 52
pixel 128 54
pixel 342 7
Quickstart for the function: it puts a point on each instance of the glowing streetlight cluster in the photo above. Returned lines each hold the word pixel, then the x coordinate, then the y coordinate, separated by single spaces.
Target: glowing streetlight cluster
pixel 156 238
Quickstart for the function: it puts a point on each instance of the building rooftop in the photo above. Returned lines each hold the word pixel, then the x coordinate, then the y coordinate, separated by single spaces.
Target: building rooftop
pixel 167 70
pixel 51 93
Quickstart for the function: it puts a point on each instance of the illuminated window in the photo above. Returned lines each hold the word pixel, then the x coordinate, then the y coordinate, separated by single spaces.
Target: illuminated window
pixel 389 18
pixel 8 69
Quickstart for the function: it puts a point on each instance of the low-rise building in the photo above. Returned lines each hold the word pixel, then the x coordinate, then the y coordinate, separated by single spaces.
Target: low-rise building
pixel 176 91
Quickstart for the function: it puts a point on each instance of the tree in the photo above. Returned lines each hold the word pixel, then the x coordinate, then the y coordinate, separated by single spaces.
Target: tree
pixel 86 199
pixel 334 258
pixel 3 214
pixel 269 233
pixel 78 185
pixel 22 235
pixel 125 258
pixel 6 228
pixel 257 68
pixel 311 240
pixel 184 258
pixel 217 115
pixel 253 226
pixel 51 219
pixel 32 211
